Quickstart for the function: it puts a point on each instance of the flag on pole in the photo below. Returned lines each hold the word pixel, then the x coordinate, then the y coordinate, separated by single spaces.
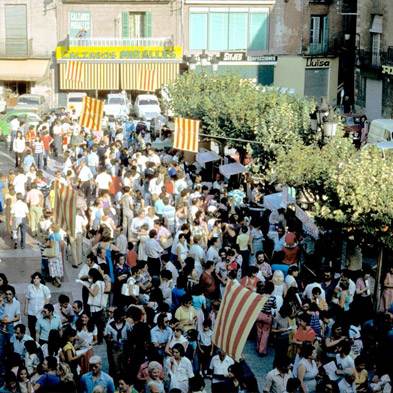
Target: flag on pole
pixel 92 113
pixel 75 71
pixel 186 134
pixel 238 311
pixel 148 80
pixel 65 208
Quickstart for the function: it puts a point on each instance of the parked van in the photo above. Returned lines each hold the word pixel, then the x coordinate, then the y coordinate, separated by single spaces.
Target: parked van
pixel 381 130
pixel 75 101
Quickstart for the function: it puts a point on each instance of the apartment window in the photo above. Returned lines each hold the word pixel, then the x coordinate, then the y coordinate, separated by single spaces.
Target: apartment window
pixel 16 30
pixel 79 24
pixel 319 34
pixel 136 24
pixel 224 30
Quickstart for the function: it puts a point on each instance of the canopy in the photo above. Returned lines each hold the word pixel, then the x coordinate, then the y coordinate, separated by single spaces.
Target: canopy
pixel 234 168
pixel 308 223
pixel 207 156
pixel 23 70
pixel 277 201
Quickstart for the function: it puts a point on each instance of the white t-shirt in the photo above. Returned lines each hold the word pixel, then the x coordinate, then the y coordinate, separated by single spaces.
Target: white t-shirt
pixel 19 183
pixel 20 209
pixel 103 181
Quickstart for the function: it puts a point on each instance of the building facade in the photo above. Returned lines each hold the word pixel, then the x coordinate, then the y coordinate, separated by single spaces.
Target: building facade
pixel 374 59
pixel 261 40
pixel 27 40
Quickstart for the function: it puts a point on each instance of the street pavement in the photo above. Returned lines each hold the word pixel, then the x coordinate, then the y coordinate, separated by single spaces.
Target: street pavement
pixel 19 264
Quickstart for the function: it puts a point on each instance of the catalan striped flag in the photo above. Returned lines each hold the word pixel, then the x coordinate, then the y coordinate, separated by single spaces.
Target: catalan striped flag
pixel 186 134
pixel 92 113
pixel 75 71
pixel 65 208
pixel 238 311
pixel 147 79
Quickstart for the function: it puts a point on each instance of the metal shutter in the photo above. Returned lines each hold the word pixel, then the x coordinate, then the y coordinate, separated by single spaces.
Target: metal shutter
pixel 16 30
pixel 316 82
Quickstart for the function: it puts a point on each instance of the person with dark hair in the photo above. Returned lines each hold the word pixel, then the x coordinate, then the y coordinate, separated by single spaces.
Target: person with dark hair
pixel 264 320
pixel 186 313
pixel 47 322
pixel 18 340
pixel 138 339
pixel 219 366
pixel 250 279
pixel 10 383
pixel 161 334
pixel 276 380
pixel 124 385
pixel 49 381
pixel 11 310
pixel 63 310
pixel 178 369
pixel 207 281
pixel 293 385
pixel 307 369
pixel 37 295
pixel 304 333
pixel 68 349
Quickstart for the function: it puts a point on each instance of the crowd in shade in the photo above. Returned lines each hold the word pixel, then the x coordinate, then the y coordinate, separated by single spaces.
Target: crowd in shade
pixel 157 237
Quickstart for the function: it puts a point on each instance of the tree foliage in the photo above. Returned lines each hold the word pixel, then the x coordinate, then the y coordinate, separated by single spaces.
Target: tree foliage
pixel 231 107
pixel 343 186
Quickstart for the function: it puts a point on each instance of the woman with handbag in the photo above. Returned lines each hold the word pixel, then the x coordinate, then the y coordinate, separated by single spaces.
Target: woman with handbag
pixel 95 301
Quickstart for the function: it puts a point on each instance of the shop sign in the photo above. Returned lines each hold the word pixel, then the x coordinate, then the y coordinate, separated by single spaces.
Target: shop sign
pixel 316 62
pixel 119 52
pixel 232 56
pixel 263 59
pixel 388 70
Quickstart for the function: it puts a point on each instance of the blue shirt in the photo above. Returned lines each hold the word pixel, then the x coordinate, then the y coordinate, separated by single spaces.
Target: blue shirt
pixel 159 336
pixel 45 325
pixel 88 383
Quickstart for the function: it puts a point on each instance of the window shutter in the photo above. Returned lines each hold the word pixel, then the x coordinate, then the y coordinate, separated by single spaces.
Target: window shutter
pixel 125 24
pixel 325 39
pixel 147 25
pixel 315 29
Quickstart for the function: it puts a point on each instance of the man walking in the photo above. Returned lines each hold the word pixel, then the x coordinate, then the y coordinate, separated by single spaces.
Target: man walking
pixel 19 213
pixel 35 201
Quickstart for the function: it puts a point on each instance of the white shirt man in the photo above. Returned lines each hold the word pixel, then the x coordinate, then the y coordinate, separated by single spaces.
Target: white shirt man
pixel 219 366
pixel 85 174
pixel 103 181
pixel 15 124
pixel 20 183
pixel 153 248
pixel 20 209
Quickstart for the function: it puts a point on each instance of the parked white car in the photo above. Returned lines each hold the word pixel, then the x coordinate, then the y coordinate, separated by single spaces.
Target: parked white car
pixel 117 105
pixel 147 107
pixel 75 102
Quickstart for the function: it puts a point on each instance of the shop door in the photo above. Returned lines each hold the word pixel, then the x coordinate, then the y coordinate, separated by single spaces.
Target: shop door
pixel 373 99
pixel 316 82
pixel 16 30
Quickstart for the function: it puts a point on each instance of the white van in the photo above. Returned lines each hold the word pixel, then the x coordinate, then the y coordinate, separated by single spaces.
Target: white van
pixel 75 101
pixel 381 130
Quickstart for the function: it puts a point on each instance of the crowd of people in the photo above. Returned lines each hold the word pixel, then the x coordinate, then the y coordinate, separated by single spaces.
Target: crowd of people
pixel 156 240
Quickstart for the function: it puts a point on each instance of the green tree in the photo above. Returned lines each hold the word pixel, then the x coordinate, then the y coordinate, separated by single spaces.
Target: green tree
pixel 344 187
pixel 231 107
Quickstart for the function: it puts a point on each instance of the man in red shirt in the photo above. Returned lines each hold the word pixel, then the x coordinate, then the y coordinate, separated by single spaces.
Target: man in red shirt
pixel 207 281
pixel 47 141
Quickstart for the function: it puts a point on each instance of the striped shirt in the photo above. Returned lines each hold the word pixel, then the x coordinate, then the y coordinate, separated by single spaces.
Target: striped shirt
pixel 38 147
pixel 269 305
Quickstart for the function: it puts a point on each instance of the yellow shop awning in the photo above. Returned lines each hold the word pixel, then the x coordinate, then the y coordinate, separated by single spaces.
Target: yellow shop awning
pixel 133 75
pixel 23 70
pixel 96 76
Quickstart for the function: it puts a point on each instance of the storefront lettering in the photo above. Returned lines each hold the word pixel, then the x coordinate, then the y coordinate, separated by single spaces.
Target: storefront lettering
pixel 232 56
pixel 317 63
pixel 164 53
pixel 388 70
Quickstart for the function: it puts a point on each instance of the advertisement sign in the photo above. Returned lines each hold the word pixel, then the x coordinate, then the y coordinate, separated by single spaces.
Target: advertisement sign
pixel 119 52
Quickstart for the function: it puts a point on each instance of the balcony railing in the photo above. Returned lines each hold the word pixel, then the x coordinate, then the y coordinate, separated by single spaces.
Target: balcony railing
pixel 371 60
pixel 318 49
pixel 108 42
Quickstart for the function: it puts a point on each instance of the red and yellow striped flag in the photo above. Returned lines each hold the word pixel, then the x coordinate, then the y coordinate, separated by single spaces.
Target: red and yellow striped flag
pixel 75 71
pixel 65 208
pixel 186 134
pixel 238 311
pixel 92 113
pixel 148 80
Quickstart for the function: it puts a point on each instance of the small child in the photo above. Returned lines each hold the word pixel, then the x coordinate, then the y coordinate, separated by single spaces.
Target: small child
pixel 205 346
